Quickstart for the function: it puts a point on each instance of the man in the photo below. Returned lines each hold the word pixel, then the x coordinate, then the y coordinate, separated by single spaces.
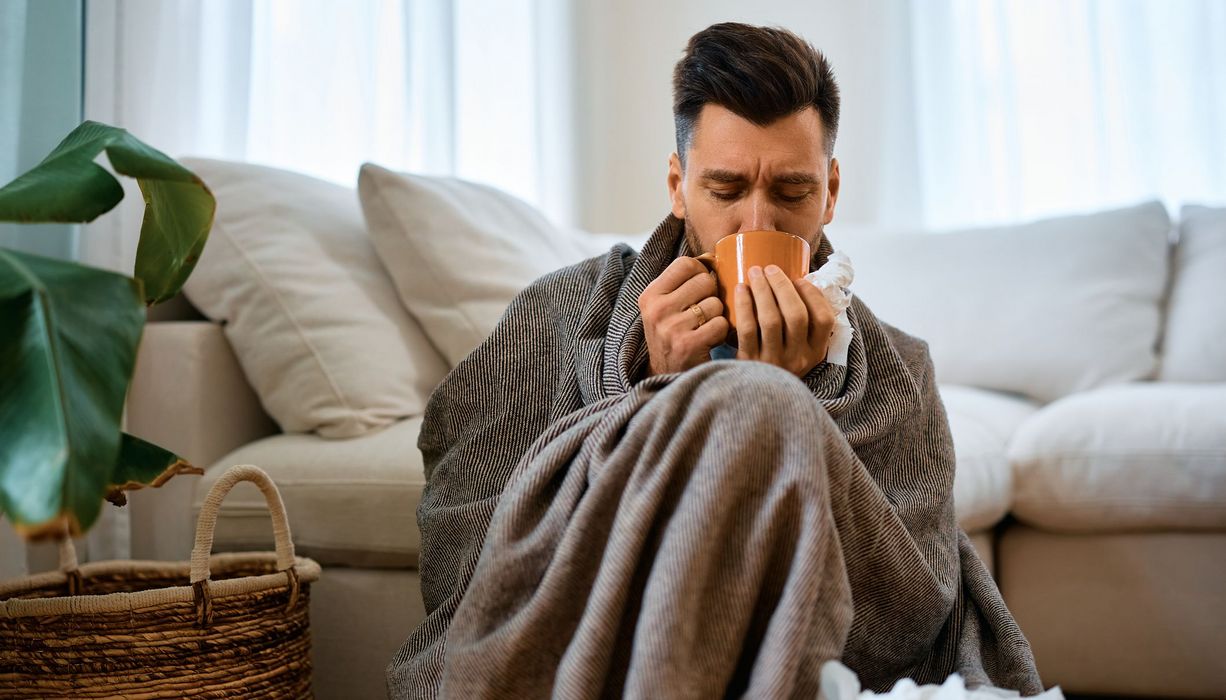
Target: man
pixel 610 511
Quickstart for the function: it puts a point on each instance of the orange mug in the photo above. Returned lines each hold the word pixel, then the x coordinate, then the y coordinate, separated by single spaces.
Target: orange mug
pixel 735 254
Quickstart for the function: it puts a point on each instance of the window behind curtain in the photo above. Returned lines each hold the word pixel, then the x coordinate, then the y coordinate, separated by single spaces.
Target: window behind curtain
pixel 1026 109
pixel 442 87
pixel 438 87
pixel 40 102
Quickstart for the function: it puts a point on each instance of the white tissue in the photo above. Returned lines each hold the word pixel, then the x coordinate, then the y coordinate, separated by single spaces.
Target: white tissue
pixel 840 683
pixel 833 279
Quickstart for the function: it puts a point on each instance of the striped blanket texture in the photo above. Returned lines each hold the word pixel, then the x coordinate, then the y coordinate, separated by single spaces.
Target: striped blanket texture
pixel 721 532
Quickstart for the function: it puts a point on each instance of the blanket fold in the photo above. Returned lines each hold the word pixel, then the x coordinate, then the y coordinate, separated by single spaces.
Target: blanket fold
pixel 588 532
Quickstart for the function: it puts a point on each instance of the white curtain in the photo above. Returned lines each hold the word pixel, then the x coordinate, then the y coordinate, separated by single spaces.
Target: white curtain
pixel 1026 109
pixel 478 89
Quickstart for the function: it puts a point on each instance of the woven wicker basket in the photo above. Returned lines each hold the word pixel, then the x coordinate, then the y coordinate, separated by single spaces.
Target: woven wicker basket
pixel 222 626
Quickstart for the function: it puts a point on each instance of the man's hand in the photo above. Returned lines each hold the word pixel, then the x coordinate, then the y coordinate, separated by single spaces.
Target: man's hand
pixel 679 336
pixel 784 322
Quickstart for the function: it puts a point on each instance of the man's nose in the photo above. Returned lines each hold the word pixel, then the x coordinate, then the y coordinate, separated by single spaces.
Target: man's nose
pixel 759 214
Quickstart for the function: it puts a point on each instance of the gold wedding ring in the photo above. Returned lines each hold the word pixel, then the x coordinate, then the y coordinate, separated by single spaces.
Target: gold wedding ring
pixel 698 313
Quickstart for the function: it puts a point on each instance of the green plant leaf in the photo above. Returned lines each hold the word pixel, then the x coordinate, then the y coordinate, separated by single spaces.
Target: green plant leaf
pixel 68 186
pixel 66 357
pixel 143 464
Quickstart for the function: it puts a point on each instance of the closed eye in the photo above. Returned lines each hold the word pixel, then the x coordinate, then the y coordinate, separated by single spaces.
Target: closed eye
pixel 725 196
pixel 794 198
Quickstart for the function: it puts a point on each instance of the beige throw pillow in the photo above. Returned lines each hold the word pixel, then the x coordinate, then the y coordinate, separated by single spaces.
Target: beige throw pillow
pixel 310 312
pixel 459 252
pixel 1194 348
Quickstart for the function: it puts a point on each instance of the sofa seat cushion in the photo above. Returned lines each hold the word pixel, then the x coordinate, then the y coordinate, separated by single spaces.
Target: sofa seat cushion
pixel 1131 457
pixel 981 422
pixel 350 502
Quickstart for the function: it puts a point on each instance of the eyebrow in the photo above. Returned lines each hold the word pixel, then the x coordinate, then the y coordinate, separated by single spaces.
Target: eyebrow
pixel 797 178
pixel 731 177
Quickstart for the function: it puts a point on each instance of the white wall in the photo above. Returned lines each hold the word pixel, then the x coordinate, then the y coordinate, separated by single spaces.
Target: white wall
pixel 626 52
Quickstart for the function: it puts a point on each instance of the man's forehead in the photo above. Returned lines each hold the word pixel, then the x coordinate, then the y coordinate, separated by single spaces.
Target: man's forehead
pixel 725 143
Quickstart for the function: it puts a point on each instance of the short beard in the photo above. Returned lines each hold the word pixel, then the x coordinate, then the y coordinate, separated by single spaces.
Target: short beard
pixel 695 244
pixel 691 240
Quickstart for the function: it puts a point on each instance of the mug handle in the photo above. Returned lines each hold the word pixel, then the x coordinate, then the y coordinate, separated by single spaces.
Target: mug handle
pixel 708 260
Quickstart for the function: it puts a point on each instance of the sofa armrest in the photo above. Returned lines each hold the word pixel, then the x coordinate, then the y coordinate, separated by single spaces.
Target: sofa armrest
pixel 189 395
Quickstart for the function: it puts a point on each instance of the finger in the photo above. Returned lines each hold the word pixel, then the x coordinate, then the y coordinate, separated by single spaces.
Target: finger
pixel 746 323
pixel 821 314
pixel 791 307
pixel 693 290
pixel 712 308
pixel 695 316
pixel 766 310
pixel 713 333
pixel 675 275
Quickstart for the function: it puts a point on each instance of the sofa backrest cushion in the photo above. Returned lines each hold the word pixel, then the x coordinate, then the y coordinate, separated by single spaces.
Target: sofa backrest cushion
pixel 460 251
pixel 1043 309
pixel 308 309
pixel 1194 345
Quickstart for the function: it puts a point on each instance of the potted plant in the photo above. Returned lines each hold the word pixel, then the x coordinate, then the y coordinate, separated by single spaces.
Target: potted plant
pixel 70 332
pixel 67 353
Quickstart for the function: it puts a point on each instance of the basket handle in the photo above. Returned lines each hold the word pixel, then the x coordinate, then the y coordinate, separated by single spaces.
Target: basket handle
pixel 206 523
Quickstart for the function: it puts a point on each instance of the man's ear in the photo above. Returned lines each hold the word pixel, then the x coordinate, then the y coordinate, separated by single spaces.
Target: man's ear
pixel 832 185
pixel 675 179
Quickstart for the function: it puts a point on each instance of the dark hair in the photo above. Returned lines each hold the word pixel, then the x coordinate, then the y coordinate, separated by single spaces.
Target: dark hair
pixel 759 73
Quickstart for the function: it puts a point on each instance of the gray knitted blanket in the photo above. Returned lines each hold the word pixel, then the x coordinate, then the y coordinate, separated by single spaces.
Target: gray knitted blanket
pixel 715 533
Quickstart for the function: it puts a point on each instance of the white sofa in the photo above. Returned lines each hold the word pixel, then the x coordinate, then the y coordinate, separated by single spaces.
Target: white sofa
pixel 1082 364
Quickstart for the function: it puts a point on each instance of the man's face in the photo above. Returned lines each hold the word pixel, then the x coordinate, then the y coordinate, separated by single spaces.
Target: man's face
pixel 743 177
